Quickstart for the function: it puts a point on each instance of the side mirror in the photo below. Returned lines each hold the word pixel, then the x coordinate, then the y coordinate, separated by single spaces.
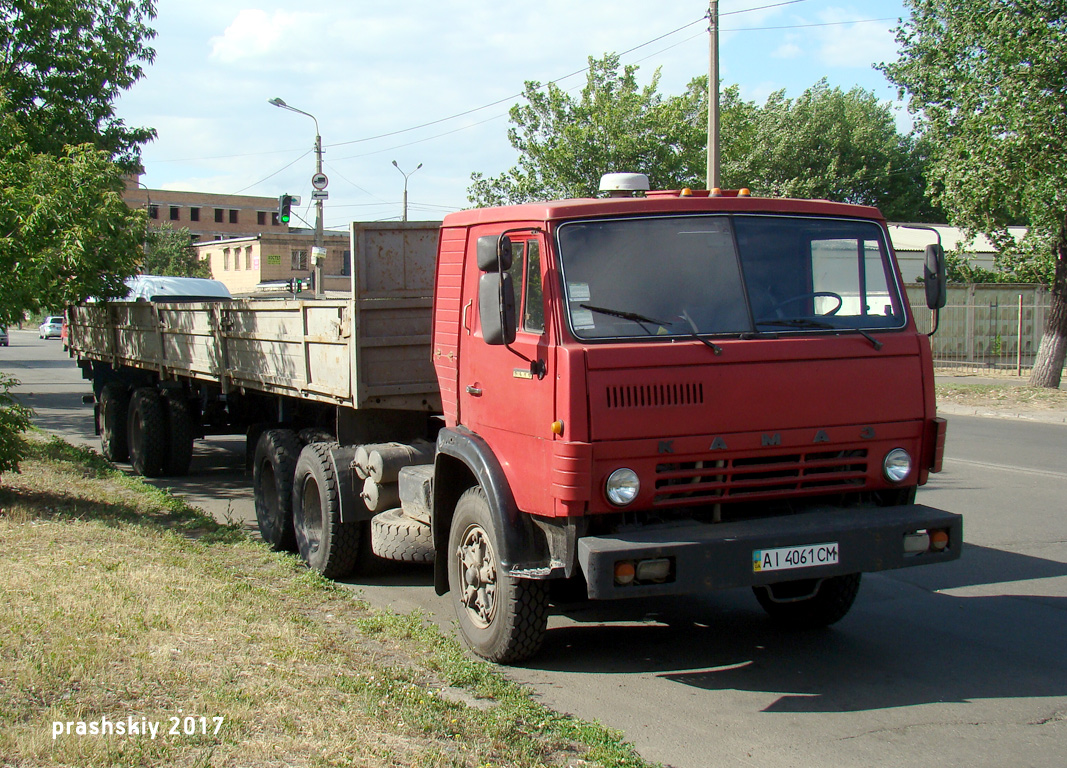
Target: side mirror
pixel 488 247
pixel 935 279
pixel 496 308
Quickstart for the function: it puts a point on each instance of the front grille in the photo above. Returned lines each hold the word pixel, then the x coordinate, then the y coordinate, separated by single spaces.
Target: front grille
pixel 743 479
pixel 655 395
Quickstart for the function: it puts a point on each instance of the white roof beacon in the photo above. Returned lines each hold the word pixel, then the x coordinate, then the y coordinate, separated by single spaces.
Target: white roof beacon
pixel 624 184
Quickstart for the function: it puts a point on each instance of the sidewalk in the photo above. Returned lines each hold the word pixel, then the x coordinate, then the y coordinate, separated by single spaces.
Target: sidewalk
pixel 1007 410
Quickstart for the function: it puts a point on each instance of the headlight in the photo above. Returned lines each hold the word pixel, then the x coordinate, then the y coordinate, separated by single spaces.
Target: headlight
pixel 897 465
pixel 622 487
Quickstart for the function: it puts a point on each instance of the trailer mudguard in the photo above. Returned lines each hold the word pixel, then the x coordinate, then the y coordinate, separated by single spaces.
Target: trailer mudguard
pixel 463 456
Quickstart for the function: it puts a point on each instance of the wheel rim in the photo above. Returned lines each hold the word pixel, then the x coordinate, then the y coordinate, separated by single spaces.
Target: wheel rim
pixel 477 564
pixel 312 509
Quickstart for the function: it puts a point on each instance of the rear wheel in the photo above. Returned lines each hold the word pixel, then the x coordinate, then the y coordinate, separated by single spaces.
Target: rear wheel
pixel 795 604
pixel 273 471
pixel 501 618
pixel 147 430
pixel 114 411
pixel 179 433
pixel 324 542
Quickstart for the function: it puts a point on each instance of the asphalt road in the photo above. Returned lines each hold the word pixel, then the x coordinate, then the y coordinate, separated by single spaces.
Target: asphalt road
pixel 963 664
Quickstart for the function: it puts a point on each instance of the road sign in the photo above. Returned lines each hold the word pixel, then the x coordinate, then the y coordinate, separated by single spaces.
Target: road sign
pixel 319 181
pixel 320 194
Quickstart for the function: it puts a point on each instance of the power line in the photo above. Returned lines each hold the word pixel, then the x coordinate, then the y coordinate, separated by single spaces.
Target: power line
pixel 308 152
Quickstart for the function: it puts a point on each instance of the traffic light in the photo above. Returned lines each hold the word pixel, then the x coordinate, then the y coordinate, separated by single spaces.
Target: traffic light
pixel 285 203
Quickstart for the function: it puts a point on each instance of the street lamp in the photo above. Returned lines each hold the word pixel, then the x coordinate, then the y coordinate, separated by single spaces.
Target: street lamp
pixel 406 175
pixel 319 246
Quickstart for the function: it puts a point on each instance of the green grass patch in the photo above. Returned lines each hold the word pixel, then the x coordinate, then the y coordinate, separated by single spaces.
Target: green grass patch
pixel 124 604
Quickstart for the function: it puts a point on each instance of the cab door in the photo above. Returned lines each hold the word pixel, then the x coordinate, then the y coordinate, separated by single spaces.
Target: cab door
pixel 506 393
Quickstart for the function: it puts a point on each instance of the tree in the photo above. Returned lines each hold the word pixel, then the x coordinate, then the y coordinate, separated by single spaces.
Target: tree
pixel 62 65
pixel 832 144
pixel 989 90
pixel 65 232
pixel 566 144
pixel 170 251
pixel 827 144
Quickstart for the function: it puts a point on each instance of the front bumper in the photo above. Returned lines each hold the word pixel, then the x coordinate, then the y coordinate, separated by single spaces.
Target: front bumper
pixel 713 556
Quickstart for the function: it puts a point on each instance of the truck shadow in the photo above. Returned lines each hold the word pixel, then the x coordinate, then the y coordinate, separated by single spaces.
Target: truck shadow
pixel 904 643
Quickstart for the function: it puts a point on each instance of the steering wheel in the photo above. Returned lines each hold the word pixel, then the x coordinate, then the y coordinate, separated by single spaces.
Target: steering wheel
pixel 813 295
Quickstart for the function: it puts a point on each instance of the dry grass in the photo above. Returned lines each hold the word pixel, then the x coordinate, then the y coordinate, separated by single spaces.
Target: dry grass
pixel 123 602
pixel 1003 396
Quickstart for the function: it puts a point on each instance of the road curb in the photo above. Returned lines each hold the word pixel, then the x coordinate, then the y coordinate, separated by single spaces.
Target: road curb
pixel 1050 417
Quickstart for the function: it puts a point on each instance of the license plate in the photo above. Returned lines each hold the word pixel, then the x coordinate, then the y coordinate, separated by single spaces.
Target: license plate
pixel 791 558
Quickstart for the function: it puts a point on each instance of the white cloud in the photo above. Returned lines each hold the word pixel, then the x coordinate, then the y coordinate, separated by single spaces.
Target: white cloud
pixel 788 50
pixel 854 45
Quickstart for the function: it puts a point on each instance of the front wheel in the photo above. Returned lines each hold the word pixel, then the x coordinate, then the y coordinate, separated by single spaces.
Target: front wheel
pixel 810 604
pixel 501 618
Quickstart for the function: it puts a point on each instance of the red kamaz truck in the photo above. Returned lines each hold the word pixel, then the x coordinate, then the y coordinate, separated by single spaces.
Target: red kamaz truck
pixel 649 394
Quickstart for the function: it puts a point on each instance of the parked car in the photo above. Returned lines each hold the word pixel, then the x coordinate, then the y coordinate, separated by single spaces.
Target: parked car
pixel 3 335
pixel 51 328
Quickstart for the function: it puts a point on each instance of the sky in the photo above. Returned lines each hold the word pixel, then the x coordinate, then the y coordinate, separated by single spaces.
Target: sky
pixel 432 83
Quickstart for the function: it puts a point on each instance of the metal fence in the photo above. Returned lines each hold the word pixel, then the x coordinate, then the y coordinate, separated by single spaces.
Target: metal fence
pixel 986 327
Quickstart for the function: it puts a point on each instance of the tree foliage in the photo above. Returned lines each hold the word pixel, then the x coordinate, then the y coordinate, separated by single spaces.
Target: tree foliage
pixel 63 63
pixel 988 86
pixel 14 420
pixel 65 232
pixel 170 251
pixel 565 144
pixel 832 144
pixel 827 143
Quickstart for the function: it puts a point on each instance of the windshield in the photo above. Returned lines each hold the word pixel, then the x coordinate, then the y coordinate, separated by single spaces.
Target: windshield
pixel 720 274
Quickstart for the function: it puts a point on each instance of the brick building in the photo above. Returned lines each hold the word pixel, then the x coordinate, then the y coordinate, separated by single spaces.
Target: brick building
pixel 207 216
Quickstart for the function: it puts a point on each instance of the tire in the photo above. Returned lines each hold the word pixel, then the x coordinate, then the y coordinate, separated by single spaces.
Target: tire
pixel 832 600
pixel 325 543
pixel 273 471
pixel 114 412
pixel 315 435
pixel 501 618
pixel 179 434
pixel 395 536
pixel 147 430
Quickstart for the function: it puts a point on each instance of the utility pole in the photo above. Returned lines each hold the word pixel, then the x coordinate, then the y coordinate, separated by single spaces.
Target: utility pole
pixel 318 252
pixel 713 179
pixel 406 175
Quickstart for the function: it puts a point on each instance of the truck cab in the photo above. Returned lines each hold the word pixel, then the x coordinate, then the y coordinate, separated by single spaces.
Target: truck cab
pixel 679 392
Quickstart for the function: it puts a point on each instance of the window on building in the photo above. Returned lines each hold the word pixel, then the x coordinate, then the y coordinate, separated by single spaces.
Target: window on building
pixel 233 216
pixel 236 258
pixel 194 237
pixel 346 262
pixel 153 211
pixel 300 260
pixel 218 215
pixel 225 258
pixel 175 213
pixel 274 219
pixel 194 214
pixel 261 218
pixel 248 257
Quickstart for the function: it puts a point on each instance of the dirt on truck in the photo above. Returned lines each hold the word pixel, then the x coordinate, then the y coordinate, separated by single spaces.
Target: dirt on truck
pixel 653 393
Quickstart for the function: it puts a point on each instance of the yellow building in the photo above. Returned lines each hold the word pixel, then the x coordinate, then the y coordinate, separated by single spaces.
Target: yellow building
pixel 250 265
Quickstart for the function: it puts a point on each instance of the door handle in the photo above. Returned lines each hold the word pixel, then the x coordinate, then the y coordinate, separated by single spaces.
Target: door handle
pixel 473 390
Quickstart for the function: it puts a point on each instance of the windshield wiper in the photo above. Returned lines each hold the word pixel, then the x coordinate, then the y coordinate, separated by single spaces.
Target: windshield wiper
pixel 642 319
pixel 631 316
pixel 803 322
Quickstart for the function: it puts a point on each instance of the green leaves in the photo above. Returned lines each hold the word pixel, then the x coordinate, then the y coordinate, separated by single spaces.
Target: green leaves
pixel 170 251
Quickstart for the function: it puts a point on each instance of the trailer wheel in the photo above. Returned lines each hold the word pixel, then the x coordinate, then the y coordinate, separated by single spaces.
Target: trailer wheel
pixel 395 536
pixel 787 604
pixel 179 433
pixel 147 429
pixel 325 543
pixel 501 618
pixel 273 471
pixel 114 410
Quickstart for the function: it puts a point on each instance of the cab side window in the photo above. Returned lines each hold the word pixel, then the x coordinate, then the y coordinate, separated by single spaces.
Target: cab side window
pixel 526 277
